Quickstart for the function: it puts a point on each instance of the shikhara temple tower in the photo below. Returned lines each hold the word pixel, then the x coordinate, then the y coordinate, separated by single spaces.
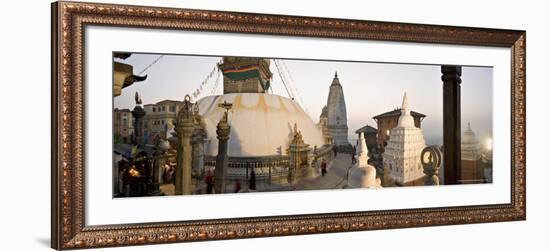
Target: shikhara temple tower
pixel 402 155
pixel 337 121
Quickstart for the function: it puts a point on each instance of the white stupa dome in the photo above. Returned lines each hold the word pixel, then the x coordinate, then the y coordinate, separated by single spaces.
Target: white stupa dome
pixel 363 177
pixel 261 124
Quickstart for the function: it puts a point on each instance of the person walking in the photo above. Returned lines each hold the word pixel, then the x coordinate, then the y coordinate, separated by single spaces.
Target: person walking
pixel 237 185
pixel 323 167
pixel 209 180
pixel 252 182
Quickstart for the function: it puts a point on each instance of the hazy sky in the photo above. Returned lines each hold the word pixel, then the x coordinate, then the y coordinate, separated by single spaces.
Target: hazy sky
pixel 369 88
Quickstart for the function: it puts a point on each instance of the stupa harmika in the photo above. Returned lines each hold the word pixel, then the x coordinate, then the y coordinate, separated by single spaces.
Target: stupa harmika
pixel 402 154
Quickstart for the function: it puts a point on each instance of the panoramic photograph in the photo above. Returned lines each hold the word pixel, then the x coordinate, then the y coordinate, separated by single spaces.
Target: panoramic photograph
pixel 191 124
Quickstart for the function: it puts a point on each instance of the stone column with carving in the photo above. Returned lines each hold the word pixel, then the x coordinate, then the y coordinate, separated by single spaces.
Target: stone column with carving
pixel 153 188
pixel 223 130
pixel 184 130
pixel 451 122
pixel 198 154
pixel 197 140
pixel 138 113
pixel 159 160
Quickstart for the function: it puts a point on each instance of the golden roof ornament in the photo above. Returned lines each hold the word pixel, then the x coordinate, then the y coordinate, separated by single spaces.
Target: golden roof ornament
pixel 297 137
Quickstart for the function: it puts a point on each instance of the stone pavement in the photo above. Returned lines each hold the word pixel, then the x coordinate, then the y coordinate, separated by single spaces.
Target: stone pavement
pixel 336 176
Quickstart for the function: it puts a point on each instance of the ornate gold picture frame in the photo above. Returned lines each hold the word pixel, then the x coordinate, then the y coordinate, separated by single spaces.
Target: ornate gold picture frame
pixel 69 228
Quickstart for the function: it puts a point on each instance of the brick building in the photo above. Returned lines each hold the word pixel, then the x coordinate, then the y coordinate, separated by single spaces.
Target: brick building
pixel 388 120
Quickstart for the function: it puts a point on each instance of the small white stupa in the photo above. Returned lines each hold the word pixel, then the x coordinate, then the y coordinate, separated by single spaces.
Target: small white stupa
pixel 470 147
pixel 362 152
pixel 402 154
pixel 472 168
pixel 362 174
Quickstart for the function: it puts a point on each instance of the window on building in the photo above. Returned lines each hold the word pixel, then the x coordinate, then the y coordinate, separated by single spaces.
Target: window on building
pixel 173 108
pixel 154 109
pixel 163 108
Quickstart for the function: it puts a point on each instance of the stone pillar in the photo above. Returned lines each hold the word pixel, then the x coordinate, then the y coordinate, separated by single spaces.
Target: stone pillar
pixel 138 113
pixel 451 122
pixel 198 154
pixel 184 130
pixel 222 131
pixel 156 165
